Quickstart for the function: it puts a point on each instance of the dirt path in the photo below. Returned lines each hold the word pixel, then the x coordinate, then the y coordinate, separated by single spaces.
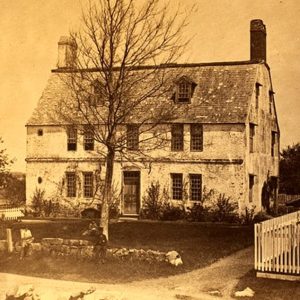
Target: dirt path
pixel 221 276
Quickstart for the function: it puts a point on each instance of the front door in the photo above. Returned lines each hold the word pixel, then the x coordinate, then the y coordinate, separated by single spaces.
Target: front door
pixel 131 192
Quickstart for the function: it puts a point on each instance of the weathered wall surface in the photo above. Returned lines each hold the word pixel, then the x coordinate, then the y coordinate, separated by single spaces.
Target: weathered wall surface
pixel 261 163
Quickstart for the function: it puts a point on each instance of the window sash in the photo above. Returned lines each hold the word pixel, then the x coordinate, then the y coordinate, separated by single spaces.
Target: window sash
pixel 177 186
pixel 195 187
pixel 132 137
pixel 184 92
pixel 71 185
pixel 177 137
pixel 88 139
pixel 196 137
pixel 88 186
pixel 251 137
pixel 72 139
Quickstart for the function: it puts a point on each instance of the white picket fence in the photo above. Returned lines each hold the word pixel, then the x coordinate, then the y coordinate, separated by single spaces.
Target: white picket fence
pixel 10 214
pixel 277 245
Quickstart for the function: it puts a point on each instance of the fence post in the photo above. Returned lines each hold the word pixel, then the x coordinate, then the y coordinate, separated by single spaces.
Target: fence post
pixel 10 247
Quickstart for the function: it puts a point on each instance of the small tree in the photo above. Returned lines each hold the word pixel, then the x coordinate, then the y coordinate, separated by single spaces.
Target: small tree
pixel 110 87
pixel 289 170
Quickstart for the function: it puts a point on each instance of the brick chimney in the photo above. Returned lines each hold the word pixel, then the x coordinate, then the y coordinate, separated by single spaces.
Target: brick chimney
pixel 258 41
pixel 66 52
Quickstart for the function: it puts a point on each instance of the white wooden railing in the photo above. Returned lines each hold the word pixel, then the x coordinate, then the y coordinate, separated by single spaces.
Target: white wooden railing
pixel 277 245
pixel 10 213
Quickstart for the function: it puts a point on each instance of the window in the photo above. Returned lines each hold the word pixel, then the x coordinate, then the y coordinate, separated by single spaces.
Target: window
pixel 88 185
pixel 273 143
pixel 71 184
pixel 196 137
pixel 96 93
pixel 132 137
pixel 177 137
pixel 184 91
pixel 257 93
pixel 177 186
pixel 251 137
pixel 40 132
pixel 72 139
pixel 195 187
pixel 271 99
pixel 251 188
pixel 88 138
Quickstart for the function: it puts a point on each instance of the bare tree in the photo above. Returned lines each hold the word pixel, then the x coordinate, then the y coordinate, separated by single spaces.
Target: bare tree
pixel 110 84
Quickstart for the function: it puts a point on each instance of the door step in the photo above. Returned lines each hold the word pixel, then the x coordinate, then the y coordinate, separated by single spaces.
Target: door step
pixel 128 218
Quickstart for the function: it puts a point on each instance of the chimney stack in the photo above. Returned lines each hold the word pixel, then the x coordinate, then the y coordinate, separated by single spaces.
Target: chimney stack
pixel 66 52
pixel 258 41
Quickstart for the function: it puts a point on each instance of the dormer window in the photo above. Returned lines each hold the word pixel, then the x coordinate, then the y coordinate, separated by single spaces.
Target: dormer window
pixel 184 90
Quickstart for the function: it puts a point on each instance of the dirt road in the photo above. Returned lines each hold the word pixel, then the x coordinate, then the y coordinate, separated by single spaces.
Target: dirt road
pixel 220 278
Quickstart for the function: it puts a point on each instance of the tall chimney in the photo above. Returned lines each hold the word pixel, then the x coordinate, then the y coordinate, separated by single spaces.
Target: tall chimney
pixel 66 52
pixel 258 41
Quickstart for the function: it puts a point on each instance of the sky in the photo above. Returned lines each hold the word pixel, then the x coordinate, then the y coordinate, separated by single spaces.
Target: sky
pixel 219 30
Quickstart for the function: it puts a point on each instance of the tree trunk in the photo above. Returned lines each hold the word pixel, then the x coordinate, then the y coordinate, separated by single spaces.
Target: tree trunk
pixel 107 191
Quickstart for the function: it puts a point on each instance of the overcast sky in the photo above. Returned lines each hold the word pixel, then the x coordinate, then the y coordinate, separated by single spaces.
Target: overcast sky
pixel 31 29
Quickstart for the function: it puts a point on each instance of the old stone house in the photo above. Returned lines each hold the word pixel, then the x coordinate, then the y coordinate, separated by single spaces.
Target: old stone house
pixel 226 139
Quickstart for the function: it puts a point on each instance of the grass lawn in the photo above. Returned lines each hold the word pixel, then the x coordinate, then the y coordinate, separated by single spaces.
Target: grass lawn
pixel 199 245
pixel 269 289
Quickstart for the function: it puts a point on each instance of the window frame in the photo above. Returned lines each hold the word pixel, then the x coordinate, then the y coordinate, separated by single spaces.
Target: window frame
pixel 88 138
pixel 194 189
pixel 196 137
pixel 183 91
pixel 132 137
pixel 71 184
pixel 72 140
pixel 88 187
pixel 177 191
pixel 177 137
pixel 257 93
pixel 252 137
pixel 251 187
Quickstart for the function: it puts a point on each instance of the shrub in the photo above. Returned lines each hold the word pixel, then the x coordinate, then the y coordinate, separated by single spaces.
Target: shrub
pixel 171 212
pixel 261 216
pixel 248 216
pixel 197 213
pixel 153 203
pixel 224 210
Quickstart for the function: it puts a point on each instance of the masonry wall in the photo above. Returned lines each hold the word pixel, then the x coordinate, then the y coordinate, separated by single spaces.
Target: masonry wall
pixel 221 163
pixel 262 114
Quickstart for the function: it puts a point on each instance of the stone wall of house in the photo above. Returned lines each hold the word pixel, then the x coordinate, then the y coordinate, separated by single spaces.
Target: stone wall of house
pixel 220 163
pixel 261 163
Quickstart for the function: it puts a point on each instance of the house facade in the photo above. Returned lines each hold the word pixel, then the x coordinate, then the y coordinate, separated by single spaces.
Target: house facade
pixel 226 138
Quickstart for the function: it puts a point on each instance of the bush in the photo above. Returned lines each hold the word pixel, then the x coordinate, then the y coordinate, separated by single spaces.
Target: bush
pixel 224 210
pixel 152 203
pixel 261 216
pixel 247 218
pixel 172 213
pixel 197 213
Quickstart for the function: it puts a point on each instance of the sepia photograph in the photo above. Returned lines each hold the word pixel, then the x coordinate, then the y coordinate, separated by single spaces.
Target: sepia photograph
pixel 149 149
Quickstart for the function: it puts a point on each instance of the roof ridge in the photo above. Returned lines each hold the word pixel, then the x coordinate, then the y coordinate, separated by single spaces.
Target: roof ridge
pixel 170 65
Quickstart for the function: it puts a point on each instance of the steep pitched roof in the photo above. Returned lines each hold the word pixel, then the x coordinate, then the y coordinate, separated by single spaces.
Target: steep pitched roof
pixel 222 94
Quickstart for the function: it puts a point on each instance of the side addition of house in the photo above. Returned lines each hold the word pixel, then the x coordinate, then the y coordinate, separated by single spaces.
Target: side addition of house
pixel 226 138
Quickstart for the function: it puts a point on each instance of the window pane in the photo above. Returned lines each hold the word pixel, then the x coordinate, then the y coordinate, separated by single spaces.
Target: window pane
pixel 196 137
pixel 88 185
pixel 88 138
pixel 71 185
pixel 176 186
pixel 72 139
pixel 195 187
pixel 132 137
pixel 184 91
pixel 177 137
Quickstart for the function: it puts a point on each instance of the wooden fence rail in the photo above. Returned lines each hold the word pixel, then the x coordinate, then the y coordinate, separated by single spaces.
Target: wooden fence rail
pixel 277 245
pixel 11 214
